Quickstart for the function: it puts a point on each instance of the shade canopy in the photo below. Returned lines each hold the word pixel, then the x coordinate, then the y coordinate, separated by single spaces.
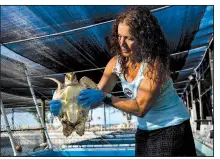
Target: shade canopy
pixel 52 40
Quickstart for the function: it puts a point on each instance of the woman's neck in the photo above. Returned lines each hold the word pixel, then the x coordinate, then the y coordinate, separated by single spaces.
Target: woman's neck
pixel 131 64
pixel 131 71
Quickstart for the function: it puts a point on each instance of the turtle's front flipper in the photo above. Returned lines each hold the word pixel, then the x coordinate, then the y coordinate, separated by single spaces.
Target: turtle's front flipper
pixel 59 84
pixel 87 83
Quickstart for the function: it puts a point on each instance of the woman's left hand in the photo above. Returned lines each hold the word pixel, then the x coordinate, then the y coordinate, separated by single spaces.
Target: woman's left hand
pixel 88 97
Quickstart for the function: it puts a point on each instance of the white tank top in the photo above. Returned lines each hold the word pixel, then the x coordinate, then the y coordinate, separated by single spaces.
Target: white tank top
pixel 169 108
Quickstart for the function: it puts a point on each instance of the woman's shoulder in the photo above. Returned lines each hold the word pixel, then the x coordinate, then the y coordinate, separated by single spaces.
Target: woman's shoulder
pixel 112 63
pixel 113 60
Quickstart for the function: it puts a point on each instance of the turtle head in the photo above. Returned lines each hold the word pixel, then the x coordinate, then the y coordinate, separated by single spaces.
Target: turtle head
pixel 70 78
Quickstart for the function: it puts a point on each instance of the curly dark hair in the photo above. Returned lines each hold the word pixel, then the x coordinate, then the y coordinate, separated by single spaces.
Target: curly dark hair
pixel 151 41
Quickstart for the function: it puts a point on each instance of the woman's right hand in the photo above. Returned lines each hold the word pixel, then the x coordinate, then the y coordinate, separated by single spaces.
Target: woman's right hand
pixel 55 106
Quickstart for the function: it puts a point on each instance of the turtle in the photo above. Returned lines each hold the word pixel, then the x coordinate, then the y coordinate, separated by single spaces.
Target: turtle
pixel 72 116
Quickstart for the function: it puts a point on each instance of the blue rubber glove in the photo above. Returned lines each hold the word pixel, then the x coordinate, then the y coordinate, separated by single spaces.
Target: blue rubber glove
pixel 55 106
pixel 89 97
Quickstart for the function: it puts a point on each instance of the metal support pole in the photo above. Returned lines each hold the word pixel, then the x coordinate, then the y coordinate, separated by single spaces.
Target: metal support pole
pixel 211 54
pixel 38 110
pixel 43 116
pixel 211 63
pixel 193 112
pixel 91 112
pixel 191 92
pixel 109 118
pixel 8 129
pixel 187 99
pixel 104 117
pixel 200 97
pixel 12 119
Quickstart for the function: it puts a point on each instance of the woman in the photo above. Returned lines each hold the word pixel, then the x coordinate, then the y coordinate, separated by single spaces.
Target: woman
pixel 142 64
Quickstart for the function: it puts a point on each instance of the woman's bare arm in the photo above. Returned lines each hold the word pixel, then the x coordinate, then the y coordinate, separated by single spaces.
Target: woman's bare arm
pixel 109 79
pixel 148 92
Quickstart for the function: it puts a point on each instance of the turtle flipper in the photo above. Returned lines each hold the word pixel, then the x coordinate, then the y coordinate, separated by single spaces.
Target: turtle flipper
pixel 80 128
pixel 67 128
pixel 87 83
pixel 82 118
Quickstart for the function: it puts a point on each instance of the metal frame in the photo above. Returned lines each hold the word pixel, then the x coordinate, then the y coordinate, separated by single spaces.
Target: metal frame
pixel 8 128
pixel 198 82
pixel 50 146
